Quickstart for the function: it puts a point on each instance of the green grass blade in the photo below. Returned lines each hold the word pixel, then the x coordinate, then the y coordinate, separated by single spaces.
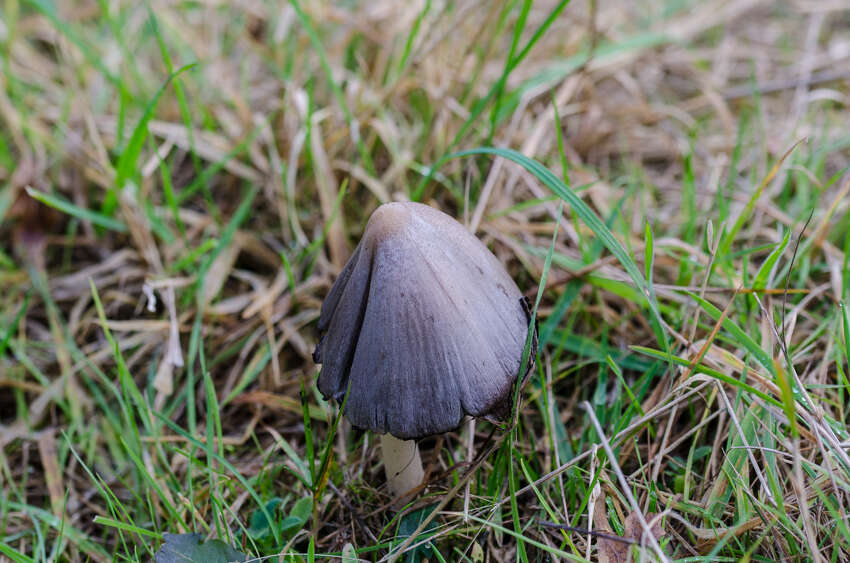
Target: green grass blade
pixel 76 536
pixel 707 371
pixel 764 271
pixel 479 107
pixel 335 88
pixel 227 465
pixel 729 237
pixel 411 38
pixel 557 553
pixel 737 333
pixel 15 555
pixel 13 326
pixel 48 9
pixel 128 161
pixel 65 206
pixel 112 523
pixel 580 208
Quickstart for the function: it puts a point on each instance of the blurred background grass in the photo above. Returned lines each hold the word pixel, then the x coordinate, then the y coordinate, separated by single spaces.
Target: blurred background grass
pixel 180 183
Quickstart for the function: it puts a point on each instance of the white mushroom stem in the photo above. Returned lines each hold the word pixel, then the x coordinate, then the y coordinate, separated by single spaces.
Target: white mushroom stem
pixel 402 464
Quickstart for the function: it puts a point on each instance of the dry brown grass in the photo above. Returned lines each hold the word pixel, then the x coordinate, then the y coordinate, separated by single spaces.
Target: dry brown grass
pixel 672 114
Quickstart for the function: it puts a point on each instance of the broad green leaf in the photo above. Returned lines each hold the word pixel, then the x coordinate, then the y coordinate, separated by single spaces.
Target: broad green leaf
pixel 186 548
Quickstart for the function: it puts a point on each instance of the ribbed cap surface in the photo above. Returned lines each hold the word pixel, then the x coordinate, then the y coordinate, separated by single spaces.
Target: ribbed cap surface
pixel 424 322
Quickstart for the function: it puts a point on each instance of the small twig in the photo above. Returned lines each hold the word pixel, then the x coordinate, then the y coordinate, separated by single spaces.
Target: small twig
pixel 712 254
pixel 788 276
pixel 593 31
pixel 624 485
pixel 746 90
pixel 603 535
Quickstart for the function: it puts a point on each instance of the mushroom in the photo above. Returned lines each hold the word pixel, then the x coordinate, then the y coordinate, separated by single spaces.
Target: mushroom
pixel 423 327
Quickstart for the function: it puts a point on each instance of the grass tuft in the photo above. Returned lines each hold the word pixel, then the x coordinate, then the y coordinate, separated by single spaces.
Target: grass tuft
pixel 181 183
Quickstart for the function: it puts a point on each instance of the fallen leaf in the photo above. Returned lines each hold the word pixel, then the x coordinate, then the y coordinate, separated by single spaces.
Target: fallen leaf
pixel 609 551
pixel 219 271
pixel 634 530
pixel 349 554
pixel 53 475
pixel 188 548
pixel 619 551
pixel 707 538
pixel 477 554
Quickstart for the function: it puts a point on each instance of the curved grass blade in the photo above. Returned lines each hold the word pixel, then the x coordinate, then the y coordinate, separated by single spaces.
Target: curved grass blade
pixel 48 9
pixel 65 206
pixel 353 125
pixel 729 237
pixel 13 327
pixel 737 333
pixel 14 555
pixel 126 166
pixel 559 554
pixel 699 368
pixel 497 89
pixel 585 213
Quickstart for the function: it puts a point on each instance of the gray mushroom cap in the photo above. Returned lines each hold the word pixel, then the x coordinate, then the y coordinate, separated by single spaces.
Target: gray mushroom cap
pixel 425 324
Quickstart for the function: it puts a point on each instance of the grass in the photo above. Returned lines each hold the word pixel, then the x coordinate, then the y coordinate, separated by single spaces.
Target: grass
pixel 180 184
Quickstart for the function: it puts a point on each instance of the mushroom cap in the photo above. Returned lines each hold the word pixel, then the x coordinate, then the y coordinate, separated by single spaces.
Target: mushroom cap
pixel 424 323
